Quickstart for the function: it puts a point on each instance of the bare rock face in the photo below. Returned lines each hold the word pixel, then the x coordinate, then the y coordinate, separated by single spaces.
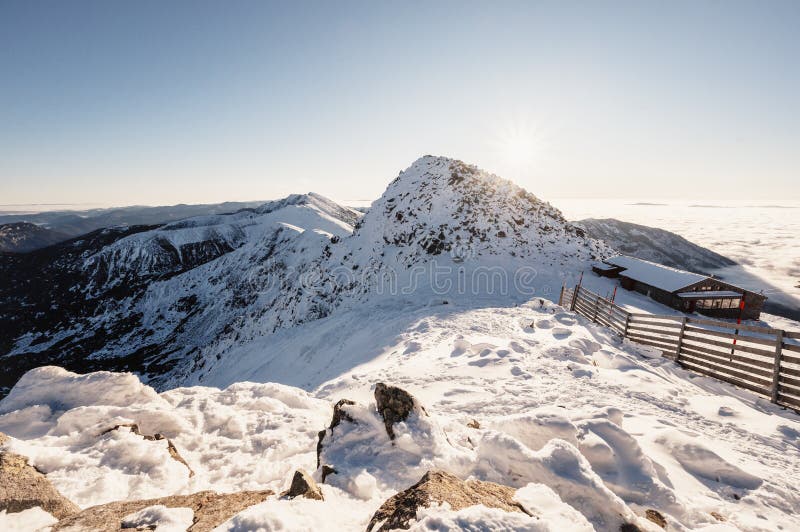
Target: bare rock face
pixel 22 486
pixel 394 405
pixel 210 510
pixel 339 414
pixel 303 486
pixel 437 487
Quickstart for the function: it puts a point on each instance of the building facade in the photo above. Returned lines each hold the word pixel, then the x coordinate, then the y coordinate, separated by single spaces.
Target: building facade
pixel 682 290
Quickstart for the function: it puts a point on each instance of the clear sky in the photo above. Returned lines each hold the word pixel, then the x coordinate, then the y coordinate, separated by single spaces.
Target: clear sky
pixel 168 102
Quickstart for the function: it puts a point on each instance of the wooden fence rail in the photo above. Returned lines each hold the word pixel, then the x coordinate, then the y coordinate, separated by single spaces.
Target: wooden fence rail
pixel 760 359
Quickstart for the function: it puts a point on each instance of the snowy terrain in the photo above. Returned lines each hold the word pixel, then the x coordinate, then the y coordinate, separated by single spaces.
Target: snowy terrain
pixel 245 329
pixel 174 301
pixel 592 432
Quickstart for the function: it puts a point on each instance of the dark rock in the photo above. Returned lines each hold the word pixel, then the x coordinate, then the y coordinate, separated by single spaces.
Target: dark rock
pixel 210 510
pixel 338 415
pixel 718 516
pixel 22 486
pixel 394 405
pixel 173 452
pixel 656 517
pixel 327 471
pixel 438 487
pixel 303 486
pixel 474 424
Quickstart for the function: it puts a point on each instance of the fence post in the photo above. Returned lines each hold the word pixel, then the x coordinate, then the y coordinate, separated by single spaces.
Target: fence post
pixel 627 322
pixel 680 340
pixel 596 309
pixel 776 370
pixel 574 297
pixel 561 296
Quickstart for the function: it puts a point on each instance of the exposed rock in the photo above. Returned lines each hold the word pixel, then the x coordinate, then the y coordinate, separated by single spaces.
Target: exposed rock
pixel 718 516
pixel 474 424
pixel 326 471
pixel 656 517
pixel 438 487
pixel 173 452
pixel 210 510
pixel 22 486
pixel 338 415
pixel 394 405
pixel 303 486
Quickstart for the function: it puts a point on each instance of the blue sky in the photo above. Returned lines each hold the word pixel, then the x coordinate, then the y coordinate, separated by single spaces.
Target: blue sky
pixel 167 102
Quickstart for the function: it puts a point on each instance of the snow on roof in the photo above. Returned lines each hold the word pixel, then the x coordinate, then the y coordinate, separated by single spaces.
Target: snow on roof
pixel 709 294
pixel 601 266
pixel 653 274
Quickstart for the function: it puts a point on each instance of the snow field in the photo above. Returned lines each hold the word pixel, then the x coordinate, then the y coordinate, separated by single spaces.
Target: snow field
pixel 590 430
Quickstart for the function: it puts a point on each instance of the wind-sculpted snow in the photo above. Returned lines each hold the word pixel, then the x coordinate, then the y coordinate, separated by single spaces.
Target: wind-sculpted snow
pixel 592 432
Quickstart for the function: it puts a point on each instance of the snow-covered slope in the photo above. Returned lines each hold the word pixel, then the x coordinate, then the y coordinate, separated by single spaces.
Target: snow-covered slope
pixel 172 302
pixel 590 431
pixel 20 237
pixel 148 299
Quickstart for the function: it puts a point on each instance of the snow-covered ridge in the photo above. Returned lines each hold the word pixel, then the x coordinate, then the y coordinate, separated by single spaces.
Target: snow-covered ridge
pixel 171 302
pixel 188 243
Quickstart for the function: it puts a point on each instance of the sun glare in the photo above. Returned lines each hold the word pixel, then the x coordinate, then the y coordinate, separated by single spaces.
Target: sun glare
pixel 518 150
pixel 518 146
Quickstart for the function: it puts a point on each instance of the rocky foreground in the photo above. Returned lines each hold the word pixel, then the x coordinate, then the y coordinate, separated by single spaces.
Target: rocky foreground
pixel 25 488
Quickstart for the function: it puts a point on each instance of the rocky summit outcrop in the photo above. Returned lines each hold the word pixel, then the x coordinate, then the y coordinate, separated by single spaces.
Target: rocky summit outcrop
pixel 439 487
pixel 394 405
pixel 303 486
pixel 22 486
pixel 210 510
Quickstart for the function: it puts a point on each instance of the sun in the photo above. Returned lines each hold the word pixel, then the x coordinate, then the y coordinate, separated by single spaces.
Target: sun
pixel 519 149
pixel 517 146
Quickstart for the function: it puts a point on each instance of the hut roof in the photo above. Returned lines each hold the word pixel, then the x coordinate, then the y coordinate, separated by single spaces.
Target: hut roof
pixel 654 274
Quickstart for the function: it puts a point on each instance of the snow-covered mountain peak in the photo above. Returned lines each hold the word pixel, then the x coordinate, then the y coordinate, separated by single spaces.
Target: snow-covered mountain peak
pixel 441 206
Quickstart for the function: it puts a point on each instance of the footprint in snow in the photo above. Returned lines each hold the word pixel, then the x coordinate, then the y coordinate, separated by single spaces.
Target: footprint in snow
pixel 516 346
pixel 459 348
pixel 519 372
pixel 561 333
pixel 412 347
pixel 565 319
pixel 544 324
pixel 587 346
pixel 481 362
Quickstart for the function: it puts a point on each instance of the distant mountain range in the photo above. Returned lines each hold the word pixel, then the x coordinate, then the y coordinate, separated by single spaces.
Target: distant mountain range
pixel 26 232
pixel 657 245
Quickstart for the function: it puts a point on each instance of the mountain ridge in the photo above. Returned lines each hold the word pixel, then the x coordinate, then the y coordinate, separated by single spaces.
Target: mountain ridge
pixel 169 300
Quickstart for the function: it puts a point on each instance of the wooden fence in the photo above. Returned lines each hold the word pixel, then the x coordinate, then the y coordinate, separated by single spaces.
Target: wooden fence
pixel 760 359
